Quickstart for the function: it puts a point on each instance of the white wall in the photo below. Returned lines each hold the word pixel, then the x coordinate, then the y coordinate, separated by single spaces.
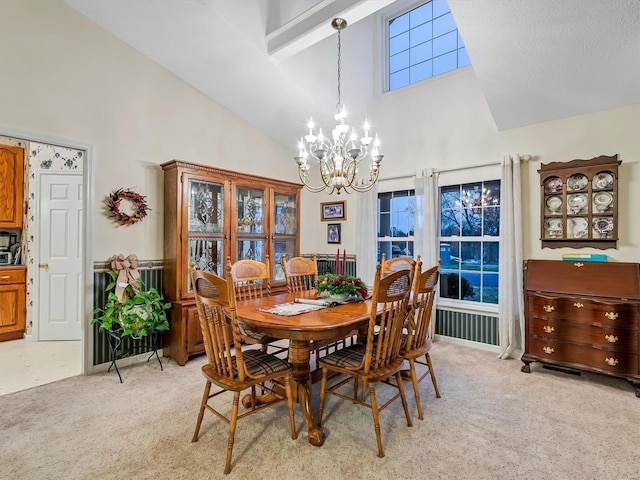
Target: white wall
pixel 65 77
pixel 445 122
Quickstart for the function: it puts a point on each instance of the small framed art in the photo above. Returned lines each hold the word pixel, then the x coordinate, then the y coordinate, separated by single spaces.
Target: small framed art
pixel 333 233
pixel 333 211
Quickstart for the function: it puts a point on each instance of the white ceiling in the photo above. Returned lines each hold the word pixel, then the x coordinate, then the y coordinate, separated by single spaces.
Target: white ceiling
pixel 536 60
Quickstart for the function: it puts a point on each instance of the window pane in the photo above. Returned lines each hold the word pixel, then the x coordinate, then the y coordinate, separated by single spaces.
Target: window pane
pixel 421 71
pixel 490 288
pixel 443 24
pixel 492 221
pixel 384 202
pixel 471 255
pixel 399 43
pixel 470 286
pixel 463 58
pixel 399 25
pixel 444 44
pixel 400 224
pixel 440 7
pixel 399 61
pixel 420 34
pixel 450 196
pixel 384 247
pixel 471 222
pixel 491 192
pixel 450 223
pixel 450 285
pixel 399 79
pixel 445 63
pixel 421 53
pixel 420 15
pixel 449 254
pixel 490 256
pixel 384 229
pixel 471 194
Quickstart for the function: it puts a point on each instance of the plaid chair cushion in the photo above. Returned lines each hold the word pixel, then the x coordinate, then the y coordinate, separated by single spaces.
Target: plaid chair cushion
pixel 347 357
pixel 257 336
pixel 260 363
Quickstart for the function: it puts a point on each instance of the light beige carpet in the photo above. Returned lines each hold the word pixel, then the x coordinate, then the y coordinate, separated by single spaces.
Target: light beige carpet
pixel 492 422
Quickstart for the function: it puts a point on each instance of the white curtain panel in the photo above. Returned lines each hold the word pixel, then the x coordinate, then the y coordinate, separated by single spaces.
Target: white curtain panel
pixel 367 234
pixel 426 225
pixel 511 303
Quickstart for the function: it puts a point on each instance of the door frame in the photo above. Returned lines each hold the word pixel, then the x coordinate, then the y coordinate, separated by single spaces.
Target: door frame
pixel 88 187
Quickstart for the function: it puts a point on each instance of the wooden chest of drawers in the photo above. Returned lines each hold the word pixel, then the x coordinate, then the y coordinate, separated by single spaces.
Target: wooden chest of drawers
pixel 584 315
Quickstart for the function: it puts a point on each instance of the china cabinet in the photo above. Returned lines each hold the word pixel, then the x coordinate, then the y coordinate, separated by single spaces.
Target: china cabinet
pixel 579 203
pixel 583 315
pixel 211 214
pixel 11 186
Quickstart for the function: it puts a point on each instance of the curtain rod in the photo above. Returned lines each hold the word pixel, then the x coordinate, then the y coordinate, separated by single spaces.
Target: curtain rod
pixel 524 158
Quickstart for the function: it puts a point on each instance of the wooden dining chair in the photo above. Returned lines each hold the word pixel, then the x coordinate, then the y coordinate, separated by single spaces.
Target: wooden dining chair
pixel 228 366
pixel 300 273
pixel 416 342
pixel 251 281
pixel 396 264
pixel 378 359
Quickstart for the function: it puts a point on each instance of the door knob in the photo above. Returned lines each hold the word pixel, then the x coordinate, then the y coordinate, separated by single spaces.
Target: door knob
pixel 43 265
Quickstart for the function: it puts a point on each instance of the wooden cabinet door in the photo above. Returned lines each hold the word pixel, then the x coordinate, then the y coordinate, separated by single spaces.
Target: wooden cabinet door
pixel 195 342
pixel 11 186
pixel 283 229
pixel 12 311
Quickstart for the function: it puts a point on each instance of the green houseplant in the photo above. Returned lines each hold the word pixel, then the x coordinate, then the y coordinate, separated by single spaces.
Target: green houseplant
pixel 138 313
pixel 341 285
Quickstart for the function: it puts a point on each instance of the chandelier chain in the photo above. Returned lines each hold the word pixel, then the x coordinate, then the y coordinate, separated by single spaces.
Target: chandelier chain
pixel 339 69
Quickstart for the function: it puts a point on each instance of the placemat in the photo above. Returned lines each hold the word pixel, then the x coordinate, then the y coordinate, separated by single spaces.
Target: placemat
pixel 291 308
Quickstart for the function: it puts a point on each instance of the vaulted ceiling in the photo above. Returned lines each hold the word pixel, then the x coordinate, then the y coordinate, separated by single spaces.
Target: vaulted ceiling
pixel 273 62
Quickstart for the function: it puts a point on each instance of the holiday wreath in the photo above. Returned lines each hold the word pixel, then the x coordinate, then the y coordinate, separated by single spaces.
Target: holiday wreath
pixel 140 210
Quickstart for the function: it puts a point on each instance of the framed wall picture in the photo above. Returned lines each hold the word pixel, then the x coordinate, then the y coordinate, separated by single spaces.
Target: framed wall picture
pixel 333 211
pixel 333 233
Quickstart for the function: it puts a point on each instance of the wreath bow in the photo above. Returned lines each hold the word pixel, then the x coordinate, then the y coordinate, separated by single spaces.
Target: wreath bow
pixel 127 269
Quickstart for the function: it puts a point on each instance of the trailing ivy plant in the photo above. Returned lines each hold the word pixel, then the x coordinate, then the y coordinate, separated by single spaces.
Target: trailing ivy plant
pixel 137 314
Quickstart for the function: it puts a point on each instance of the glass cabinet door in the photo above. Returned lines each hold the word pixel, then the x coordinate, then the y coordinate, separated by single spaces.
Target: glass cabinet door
pixel 249 224
pixel 285 231
pixel 205 219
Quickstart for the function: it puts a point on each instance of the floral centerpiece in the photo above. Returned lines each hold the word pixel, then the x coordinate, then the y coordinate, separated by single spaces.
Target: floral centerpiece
pixel 341 285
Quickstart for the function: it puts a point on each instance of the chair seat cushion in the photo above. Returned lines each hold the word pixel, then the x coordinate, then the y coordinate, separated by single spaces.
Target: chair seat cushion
pixel 348 357
pixel 261 363
pixel 256 337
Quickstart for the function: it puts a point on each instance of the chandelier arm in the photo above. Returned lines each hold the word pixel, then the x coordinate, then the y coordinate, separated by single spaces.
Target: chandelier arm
pixel 309 187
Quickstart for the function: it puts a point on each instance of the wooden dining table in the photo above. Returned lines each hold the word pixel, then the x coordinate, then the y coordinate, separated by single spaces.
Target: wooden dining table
pixel 304 331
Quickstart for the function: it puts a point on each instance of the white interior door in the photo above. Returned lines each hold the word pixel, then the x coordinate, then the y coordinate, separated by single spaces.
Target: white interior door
pixel 60 281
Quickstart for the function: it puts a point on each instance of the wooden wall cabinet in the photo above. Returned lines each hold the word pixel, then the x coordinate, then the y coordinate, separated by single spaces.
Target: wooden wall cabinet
pixel 11 186
pixel 211 214
pixel 12 302
pixel 584 315
pixel 579 203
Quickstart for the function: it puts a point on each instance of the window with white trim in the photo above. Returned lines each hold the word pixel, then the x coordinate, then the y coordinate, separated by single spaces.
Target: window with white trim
pixel 469 241
pixel 422 43
pixel 396 215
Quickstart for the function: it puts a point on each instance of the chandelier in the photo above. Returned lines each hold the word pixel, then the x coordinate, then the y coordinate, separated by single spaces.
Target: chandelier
pixel 338 157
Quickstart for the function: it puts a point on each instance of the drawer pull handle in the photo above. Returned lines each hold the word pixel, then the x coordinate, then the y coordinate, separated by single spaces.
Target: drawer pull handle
pixel 611 315
pixel 549 308
pixel 611 361
pixel 578 305
pixel 548 329
pixel 549 350
pixel 611 338
pixel 578 264
pixel 4 277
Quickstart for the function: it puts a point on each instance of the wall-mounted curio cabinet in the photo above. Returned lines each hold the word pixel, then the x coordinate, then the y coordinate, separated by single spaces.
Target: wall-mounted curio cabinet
pixel 579 203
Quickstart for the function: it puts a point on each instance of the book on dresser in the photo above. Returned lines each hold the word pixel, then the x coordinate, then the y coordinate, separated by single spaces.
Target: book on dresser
pixel 583 315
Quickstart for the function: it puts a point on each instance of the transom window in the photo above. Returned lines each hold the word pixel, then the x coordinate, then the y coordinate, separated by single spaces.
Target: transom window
pixel 469 241
pixel 396 215
pixel 424 42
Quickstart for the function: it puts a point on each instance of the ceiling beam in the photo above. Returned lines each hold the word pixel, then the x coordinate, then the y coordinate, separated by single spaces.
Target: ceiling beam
pixel 314 25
